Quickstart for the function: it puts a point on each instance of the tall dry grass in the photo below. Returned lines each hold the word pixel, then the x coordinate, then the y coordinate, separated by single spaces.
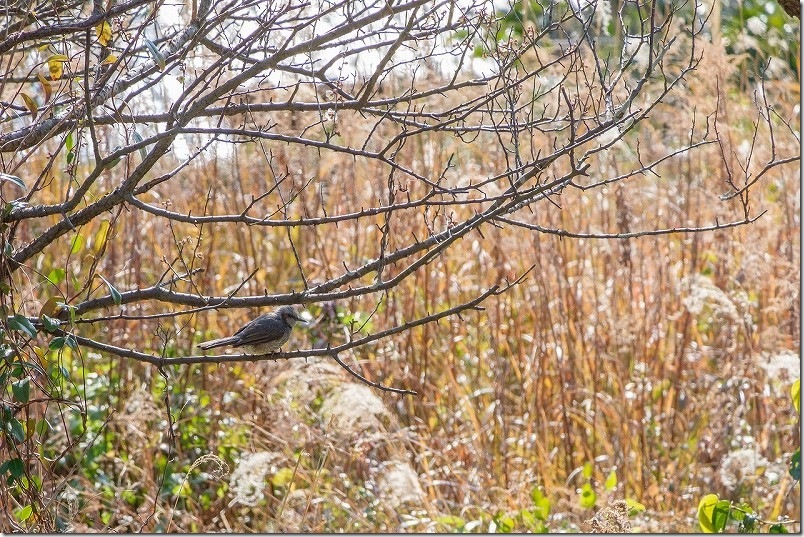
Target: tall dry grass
pixel 647 356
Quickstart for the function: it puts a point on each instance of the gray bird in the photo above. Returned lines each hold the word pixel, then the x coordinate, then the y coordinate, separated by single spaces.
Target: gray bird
pixel 264 335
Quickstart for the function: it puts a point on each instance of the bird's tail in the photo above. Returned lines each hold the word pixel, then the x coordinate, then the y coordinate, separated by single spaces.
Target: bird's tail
pixel 222 342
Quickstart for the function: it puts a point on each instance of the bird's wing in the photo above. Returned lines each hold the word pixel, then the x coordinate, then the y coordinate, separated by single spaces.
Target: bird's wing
pixel 264 329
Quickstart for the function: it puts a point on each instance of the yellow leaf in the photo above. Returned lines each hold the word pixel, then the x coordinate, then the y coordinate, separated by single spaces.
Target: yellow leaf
pixel 56 66
pixel 30 104
pixel 611 481
pixel 795 393
pixel 99 243
pixel 705 509
pixel 46 86
pixel 111 58
pixel 104 32
pixel 51 308
pixel 56 70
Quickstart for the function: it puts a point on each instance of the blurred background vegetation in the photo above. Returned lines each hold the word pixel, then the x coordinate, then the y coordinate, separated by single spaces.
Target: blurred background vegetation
pixel 653 369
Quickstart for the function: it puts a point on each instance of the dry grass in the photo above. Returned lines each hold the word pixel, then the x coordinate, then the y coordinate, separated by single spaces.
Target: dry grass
pixel 642 356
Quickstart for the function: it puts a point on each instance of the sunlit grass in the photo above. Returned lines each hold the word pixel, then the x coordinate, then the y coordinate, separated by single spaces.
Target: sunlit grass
pixel 640 357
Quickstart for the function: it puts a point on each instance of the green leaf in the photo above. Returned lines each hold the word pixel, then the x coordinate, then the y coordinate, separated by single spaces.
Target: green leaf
pixel 504 522
pixel 130 497
pixel 42 427
pixel 527 518
pixel 22 324
pixel 138 138
pixel 69 143
pixel 721 515
pixel 158 57
pixel 611 481
pixel 587 470
pixel 71 342
pixel 24 513
pixel 21 390
pixel 16 468
pixel 532 522
pixel 71 310
pixel 56 343
pixel 182 489
pixel 118 299
pixel 115 161
pixel 282 477
pixel 541 504
pixel 742 512
pixel 15 428
pixel 795 465
pixel 778 528
pixel 451 521
pixel 713 513
pixel 13 179
pixel 56 276
pixel 634 507
pixel 50 324
pixel 795 393
pixel 76 243
pixel 588 497
pixel 63 372
pixel 21 366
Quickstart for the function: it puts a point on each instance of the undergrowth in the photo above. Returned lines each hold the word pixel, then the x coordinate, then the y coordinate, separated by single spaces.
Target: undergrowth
pixel 617 369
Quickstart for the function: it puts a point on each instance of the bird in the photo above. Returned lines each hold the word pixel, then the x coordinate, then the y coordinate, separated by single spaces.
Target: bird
pixel 264 335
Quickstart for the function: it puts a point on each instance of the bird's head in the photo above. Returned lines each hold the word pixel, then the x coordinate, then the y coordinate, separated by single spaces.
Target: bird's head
pixel 289 316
